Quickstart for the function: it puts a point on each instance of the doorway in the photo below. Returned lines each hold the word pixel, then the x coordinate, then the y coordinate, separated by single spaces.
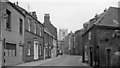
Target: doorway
pixel 21 53
pixel 35 50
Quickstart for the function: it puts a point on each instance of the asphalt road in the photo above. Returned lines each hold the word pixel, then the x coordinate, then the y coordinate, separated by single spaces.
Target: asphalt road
pixel 65 60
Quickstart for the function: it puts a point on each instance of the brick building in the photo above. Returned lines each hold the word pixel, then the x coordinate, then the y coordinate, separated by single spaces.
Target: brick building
pixel 50 37
pixel 99 41
pixel 47 44
pixel 78 41
pixel 33 37
pixel 11 34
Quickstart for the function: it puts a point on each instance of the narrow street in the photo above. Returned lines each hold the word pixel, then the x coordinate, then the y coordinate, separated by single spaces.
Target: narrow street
pixel 61 61
pixel 65 60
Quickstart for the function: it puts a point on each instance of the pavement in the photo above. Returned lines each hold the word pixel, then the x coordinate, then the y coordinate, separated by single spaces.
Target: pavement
pixel 36 63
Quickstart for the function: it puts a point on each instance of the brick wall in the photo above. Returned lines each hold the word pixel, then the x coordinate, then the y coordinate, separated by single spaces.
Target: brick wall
pixel 30 36
pixel 105 40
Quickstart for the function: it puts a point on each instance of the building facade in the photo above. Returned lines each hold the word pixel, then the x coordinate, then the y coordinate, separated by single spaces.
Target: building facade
pixel 47 44
pixel 69 44
pixel 33 36
pixel 100 44
pixel 22 37
pixel 12 34
pixel 50 37
pixel 78 41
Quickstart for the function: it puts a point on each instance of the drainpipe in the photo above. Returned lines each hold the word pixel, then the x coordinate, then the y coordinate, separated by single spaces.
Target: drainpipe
pixel 43 46
pixel 108 54
pixel 91 60
pixel 83 50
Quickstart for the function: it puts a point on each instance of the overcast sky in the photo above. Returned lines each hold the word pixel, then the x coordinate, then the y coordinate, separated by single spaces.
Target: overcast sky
pixel 70 14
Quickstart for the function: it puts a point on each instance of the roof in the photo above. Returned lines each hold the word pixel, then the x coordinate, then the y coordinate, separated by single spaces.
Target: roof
pixel 108 19
pixel 15 7
pixel 23 10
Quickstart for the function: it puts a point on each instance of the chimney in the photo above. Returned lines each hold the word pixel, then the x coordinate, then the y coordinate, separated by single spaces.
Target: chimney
pixel 14 3
pixel 46 17
pixel 105 10
pixel 17 3
pixel 34 14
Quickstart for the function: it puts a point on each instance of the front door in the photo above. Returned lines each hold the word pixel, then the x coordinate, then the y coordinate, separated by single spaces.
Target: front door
pixel 35 50
pixel 21 54
pixel 44 53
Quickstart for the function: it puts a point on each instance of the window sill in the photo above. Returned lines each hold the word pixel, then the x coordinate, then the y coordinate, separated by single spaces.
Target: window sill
pixel 8 29
pixel 28 55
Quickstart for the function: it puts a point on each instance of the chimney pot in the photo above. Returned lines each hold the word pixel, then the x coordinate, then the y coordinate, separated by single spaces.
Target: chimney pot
pixel 17 3
pixel 34 14
pixel 46 17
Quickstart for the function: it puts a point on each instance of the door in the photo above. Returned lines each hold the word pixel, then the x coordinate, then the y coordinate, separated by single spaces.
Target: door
pixel 21 54
pixel 35 50
pixel 44 53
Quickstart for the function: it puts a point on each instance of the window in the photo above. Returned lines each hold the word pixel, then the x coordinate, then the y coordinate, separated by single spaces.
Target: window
pixel 10 49
pixel 8 20
pixel 40 31
pixel 29 25
pixel 89 35
pixel 21 26
pixel 29 48
pixel 35 28
pixel 40 49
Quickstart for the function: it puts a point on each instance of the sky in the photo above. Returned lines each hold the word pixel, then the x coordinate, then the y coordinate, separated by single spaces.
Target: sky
pixel 67 14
